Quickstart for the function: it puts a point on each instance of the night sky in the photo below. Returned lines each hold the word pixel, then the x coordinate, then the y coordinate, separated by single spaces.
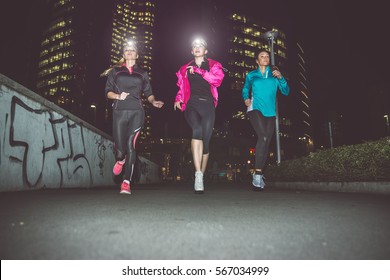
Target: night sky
pixel 346 44
pixel 347 55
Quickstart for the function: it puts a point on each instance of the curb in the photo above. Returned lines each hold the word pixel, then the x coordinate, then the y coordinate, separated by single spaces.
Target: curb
pixel 350 187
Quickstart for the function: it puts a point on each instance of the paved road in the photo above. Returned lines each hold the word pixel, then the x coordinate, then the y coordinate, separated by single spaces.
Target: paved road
pixel 168 221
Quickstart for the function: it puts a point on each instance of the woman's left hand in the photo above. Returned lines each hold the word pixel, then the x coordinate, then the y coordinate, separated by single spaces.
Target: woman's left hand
pixel 277 74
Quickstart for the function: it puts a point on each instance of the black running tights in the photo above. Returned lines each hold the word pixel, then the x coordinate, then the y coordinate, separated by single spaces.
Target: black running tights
pixel 264 128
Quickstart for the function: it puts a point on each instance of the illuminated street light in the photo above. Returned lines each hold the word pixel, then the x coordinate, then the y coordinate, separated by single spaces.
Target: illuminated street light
pixel 387 123
pixel 93 106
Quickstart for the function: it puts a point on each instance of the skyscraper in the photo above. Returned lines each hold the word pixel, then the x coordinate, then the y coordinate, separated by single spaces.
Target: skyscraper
pixel 133 20
pixel 72 55
pixel 82 39
pixel 301 110
pixel 59 65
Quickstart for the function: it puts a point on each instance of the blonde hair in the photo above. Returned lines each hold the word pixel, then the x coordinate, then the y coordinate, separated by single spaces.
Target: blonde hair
pixel 107 71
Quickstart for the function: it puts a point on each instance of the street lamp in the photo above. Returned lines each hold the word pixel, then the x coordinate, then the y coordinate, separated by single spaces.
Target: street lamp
pixel 387 123
pixel 93 106
pixel 270 36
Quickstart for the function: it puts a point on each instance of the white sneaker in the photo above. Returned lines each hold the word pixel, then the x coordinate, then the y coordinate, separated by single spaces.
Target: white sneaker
pixel 199 188
pixel 258 181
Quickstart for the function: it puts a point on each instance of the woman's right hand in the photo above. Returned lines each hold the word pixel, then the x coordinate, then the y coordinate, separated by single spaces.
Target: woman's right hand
pixel 248 102
pixel 123 95
pixel 190 69
pixel 177 105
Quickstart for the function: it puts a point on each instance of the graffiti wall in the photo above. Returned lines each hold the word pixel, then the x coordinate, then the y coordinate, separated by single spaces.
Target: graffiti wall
pixel 43 146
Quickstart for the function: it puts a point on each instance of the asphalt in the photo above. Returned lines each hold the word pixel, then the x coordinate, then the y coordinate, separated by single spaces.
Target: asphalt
pixel 169 222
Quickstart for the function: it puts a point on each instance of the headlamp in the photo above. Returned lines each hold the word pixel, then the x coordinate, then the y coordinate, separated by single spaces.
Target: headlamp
pixel 130 45
pixel 199 42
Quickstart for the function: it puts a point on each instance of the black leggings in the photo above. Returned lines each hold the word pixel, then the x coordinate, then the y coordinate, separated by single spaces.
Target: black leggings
pixel 264 128
pixel 200 116
pixel 127 125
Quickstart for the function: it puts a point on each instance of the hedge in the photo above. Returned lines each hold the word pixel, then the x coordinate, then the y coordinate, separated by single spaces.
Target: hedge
pixel 369 161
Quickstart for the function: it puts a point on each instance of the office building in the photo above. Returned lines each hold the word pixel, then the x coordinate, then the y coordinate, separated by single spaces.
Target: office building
pixel 82 39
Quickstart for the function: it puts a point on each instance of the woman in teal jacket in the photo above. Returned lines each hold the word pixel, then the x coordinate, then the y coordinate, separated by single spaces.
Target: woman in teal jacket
pixel 263 84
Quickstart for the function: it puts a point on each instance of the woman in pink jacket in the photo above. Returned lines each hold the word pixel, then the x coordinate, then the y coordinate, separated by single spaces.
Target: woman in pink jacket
pixel 197 98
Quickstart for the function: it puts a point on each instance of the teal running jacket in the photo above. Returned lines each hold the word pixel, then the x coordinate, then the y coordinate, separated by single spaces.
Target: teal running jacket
pixel 263 89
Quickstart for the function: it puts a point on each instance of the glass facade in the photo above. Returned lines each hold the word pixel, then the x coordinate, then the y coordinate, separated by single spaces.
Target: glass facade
pixel 133 20
pixel 56 74
pixel 303 97
pixel 82 39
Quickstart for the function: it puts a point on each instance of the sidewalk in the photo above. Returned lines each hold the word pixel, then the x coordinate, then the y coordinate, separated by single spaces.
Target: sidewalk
pixel 169 222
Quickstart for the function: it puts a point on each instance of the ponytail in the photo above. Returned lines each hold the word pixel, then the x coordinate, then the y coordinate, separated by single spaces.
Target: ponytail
pixel 107 71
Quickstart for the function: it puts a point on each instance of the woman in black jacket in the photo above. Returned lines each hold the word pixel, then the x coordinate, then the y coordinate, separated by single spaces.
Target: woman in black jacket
pixel 125 84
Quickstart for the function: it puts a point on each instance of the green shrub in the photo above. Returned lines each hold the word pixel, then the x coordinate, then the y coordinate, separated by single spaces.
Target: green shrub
pixel 363 162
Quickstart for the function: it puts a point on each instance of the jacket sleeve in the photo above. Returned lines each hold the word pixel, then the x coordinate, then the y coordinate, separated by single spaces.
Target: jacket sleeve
pixel 110 83
pixel 246 88
pixel 147 90
pixel 214 77
pixel 180 93
pixel 283 86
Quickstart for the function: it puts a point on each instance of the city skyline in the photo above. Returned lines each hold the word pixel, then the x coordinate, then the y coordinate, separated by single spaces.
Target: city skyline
pixel 335 46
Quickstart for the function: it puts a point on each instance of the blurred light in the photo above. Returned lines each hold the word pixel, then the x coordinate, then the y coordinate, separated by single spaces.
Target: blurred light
pixel 130 45
pixel 199 42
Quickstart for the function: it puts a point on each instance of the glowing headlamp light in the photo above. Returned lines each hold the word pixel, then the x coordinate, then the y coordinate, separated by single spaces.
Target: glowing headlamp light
pixel 199 42
pixel 130 45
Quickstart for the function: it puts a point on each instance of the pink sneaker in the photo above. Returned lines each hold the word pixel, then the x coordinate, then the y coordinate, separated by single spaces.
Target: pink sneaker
pixel 118 167
pixel 125 188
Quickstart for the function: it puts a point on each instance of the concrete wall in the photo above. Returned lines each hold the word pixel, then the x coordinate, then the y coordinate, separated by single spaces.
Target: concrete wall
pixel 44 146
